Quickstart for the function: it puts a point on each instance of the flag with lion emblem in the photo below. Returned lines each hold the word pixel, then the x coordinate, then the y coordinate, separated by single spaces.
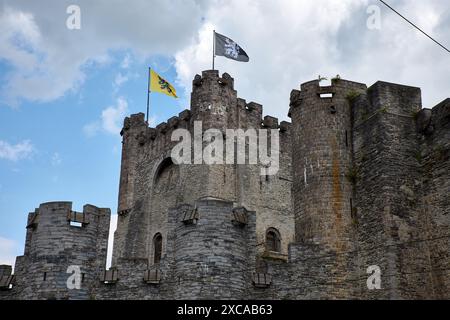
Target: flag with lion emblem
pixel 226 47
pixel 158 84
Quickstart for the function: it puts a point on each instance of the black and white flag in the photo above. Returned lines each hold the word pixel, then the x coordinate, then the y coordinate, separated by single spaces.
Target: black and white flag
pixel 228 48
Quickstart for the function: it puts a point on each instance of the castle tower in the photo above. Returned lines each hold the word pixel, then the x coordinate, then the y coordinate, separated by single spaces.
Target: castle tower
pixel 214 105
pixel 393 226
pixel 131 128
pixel 213 99
pixel 324 176
pixel 322 162
pixel 151 183
pixel 133 131
pixel 58 242
pixel 212 250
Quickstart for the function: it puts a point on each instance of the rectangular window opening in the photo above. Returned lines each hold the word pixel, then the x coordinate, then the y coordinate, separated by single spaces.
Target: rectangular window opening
pixel 326 95
pixel 76 224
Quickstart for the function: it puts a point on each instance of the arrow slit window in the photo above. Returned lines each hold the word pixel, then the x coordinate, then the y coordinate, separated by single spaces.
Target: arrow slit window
pixel 157 245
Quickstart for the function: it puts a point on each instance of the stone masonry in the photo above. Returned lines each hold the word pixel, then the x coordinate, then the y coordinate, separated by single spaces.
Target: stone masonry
pixel 363 180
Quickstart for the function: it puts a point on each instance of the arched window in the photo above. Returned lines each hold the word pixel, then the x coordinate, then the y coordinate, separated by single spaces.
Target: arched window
pixel 166 176
pixel 157 245
pixel 273 240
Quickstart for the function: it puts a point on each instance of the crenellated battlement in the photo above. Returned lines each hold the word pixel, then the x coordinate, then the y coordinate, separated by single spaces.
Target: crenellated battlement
pixel 428 121
pixel 205 107
pixel 60 214
pixel 338 90
pixel 211 77
pixel 133 121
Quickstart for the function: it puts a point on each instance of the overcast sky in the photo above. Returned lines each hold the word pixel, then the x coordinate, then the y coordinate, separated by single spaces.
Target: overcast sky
pixel 64 93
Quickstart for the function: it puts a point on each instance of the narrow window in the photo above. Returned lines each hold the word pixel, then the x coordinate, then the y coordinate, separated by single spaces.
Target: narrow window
pixel 157 245
pixel 346 139
pixel 351 208
pixel 273 240
pixel 45 276
pixel 76 224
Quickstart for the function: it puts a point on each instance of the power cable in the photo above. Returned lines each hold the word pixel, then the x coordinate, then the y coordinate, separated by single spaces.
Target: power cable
pixel 438 43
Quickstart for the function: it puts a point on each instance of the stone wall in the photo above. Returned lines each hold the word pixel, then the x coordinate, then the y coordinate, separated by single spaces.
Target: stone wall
pixel 388 184
pixel 434 206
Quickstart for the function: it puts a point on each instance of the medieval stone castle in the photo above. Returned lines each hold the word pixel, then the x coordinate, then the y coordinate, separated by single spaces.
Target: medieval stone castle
pixel 363 190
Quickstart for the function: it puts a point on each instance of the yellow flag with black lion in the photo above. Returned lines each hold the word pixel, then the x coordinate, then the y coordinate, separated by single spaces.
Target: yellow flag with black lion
pixel 159 84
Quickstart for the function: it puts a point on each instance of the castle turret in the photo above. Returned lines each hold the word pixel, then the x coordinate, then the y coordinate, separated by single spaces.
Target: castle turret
pixel 62 243
pixel 322 162
pixel 213 99
pixel 133 133
pixel 212 249
pixel 132 127
pixel 324 176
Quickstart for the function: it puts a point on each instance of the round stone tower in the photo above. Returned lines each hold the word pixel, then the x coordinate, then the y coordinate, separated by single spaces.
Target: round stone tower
pixel 59 243
pixel 322 162
pixel 213 250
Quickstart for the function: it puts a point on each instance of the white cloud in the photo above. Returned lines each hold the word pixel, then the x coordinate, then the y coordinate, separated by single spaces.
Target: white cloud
pixel 111 119
pixel 91 129
pixel 113 116
pixel 56 159
pixel 15 152
pixel 48 59
pixel 119 80
pixel 39 74
pixel 9 249
pixel 153 121
pixel 19 34
pixel 290 42
pixel 112 229
pixel 125 64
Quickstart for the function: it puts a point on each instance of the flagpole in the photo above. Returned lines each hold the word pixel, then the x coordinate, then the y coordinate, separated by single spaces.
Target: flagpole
pixel 148 95
pixel 214 40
